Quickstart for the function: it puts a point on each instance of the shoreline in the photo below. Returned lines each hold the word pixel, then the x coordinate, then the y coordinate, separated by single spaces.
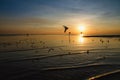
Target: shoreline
pixel 114 75
pixel 79 73
pixel 60 73
pixel 117 35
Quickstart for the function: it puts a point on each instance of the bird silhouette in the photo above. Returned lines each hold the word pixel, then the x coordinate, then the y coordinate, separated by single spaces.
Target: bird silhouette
pixel 51 49
pixel 65 28
pixel 88 51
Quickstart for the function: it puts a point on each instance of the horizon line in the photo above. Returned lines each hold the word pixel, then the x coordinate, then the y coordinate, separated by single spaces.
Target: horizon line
pixel 99 35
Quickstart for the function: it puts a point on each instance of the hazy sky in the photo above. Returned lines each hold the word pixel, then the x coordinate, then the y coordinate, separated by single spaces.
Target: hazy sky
pixel 48 16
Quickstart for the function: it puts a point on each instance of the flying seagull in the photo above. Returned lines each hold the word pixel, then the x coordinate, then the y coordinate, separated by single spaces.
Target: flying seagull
pixel 65 28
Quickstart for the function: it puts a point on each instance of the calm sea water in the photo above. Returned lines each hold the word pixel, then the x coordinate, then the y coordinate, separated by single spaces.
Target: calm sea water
pixel 29 57
pixel 51 51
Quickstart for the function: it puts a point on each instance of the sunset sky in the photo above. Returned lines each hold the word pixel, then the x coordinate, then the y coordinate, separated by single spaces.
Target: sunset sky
pixel 48 16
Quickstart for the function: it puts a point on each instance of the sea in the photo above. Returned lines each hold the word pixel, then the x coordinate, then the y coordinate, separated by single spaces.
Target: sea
pixel 36 57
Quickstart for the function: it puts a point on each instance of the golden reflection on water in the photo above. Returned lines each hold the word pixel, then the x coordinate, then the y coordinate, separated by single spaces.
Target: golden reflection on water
pixel 81 38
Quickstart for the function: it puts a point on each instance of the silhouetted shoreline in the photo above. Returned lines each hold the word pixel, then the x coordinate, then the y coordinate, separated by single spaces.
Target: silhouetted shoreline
pixel 60 34
pixel 103 36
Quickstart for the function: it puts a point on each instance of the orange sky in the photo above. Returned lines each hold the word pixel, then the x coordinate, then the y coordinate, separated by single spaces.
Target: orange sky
pixel 39 26
pixel 45 17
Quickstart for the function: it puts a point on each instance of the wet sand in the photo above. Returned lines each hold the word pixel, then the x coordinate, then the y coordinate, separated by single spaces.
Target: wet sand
pixel 30 58
pixel 113 75
pixel 59 73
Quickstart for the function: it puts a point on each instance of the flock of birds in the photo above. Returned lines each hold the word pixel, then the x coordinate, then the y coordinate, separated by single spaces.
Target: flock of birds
pixel 22 44
pixel 32 44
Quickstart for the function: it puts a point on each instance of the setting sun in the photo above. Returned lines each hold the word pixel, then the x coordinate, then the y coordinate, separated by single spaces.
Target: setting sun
pixel 60 39
pixel 82 28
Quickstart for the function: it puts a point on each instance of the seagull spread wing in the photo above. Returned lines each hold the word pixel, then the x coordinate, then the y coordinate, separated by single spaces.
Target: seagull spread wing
pixel 65 28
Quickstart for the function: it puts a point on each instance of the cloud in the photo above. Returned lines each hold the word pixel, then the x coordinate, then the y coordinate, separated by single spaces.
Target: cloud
pixel 26 21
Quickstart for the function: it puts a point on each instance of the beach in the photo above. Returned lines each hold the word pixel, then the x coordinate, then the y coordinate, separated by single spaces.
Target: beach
pixel 61 73
pixel 40 57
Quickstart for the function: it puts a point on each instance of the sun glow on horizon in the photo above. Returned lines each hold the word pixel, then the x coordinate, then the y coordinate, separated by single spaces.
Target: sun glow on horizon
pixel 82 28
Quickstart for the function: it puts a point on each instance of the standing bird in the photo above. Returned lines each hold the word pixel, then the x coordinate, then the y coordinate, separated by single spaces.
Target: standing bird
pixel 65 28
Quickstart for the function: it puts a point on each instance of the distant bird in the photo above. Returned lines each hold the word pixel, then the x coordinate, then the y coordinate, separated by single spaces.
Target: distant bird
pixel 51 49
pixel 81 32
pixel 69 53
pixel 65 28
pixel 118 39
pixel 108 41
pixel 88 51
pixel 101 41
pixel 92 39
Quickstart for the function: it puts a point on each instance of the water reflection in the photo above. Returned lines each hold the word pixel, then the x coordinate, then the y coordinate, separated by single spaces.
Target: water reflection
pixel 81 38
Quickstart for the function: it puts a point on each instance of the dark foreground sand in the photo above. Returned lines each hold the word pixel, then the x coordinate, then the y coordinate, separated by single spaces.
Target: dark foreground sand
pixel 112 75
pixel 60 73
